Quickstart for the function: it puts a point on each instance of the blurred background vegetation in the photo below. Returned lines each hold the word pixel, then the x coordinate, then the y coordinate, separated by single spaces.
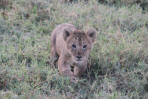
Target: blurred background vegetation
pixel 119 59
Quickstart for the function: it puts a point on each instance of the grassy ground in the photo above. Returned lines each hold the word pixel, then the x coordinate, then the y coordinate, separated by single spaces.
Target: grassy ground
pixel 119 58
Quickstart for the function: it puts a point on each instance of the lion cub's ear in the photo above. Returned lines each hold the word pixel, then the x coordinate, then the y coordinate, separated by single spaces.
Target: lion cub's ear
pixel 66 34
pixel 91 34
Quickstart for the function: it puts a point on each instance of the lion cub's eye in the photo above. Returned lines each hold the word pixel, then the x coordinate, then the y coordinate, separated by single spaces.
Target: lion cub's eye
pixel 84 46
pixel 73 46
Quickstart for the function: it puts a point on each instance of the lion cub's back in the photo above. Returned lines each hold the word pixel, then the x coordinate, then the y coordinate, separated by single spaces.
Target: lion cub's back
pixel 57 40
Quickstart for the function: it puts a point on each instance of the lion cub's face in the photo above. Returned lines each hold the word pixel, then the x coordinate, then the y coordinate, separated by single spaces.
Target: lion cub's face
pixel 79 44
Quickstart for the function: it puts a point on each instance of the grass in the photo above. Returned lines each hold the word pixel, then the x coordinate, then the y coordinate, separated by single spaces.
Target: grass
pixel 119 58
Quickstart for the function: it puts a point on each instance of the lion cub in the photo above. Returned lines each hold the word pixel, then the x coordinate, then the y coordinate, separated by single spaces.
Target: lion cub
pixel 72 47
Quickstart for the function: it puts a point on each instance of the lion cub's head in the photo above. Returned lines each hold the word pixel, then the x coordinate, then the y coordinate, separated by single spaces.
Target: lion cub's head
pixel 79 43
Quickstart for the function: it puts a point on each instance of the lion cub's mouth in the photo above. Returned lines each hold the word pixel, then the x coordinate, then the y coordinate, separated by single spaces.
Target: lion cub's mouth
pixel 78 60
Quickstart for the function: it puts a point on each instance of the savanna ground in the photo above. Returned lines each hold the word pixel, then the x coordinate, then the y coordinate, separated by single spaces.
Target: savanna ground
pixel 119 58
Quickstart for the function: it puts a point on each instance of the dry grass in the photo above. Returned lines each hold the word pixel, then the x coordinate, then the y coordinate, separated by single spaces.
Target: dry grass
pixel 118 59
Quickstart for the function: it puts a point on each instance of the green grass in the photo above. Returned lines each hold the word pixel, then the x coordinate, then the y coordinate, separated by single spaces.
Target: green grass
pixel 119 58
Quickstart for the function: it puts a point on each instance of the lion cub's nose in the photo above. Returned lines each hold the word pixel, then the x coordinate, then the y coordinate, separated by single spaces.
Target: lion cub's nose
pixel 79 57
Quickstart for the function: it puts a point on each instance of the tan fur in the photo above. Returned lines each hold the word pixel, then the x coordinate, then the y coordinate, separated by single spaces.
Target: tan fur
pixel 72 48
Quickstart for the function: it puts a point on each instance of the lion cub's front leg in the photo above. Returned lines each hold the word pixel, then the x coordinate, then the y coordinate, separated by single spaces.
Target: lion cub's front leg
pixel 64 68
pixel 78 71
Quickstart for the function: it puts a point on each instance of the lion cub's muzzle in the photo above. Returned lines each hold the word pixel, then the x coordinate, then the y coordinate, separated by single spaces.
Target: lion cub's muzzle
pixel 78 58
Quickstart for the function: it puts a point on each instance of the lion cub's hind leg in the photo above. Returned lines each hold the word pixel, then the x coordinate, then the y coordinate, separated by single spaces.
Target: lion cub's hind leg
pixel 54 57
